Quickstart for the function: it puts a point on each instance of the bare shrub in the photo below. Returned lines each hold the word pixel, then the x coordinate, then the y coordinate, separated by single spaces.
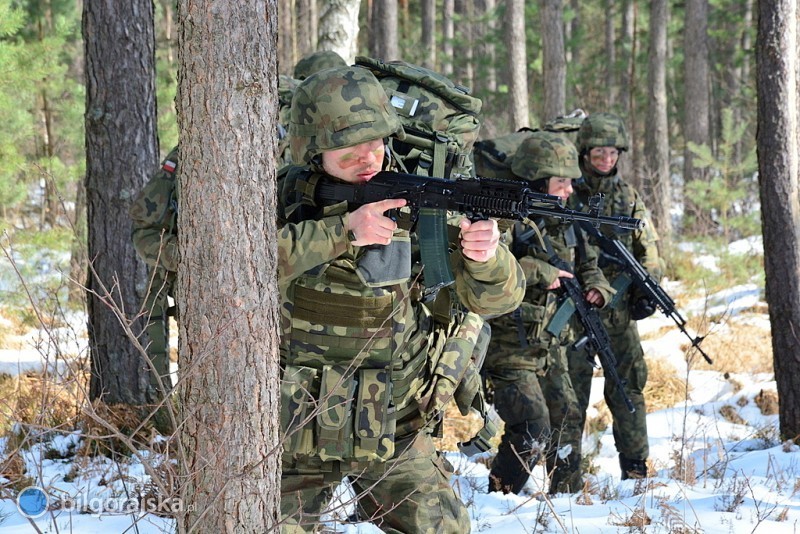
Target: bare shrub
pixel 684 468
pixel 637 521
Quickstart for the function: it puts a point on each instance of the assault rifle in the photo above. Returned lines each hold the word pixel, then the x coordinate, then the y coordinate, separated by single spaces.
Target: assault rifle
pixel 646 284
pixel 595 340
pixel 477 198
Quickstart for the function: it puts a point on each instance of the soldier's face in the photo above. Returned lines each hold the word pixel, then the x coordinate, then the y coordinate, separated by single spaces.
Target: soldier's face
pixel 560 187
pixel 356 164
pixel 603 158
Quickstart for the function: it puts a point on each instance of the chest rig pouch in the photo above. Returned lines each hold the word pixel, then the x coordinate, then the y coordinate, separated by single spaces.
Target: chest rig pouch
pixel 344 380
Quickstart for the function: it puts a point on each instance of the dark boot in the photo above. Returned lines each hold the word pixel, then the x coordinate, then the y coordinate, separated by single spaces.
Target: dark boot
pixel 633 469
pixel 513 464
pixel 565 474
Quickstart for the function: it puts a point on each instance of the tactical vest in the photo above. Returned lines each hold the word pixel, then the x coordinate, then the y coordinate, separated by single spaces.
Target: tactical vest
pixel 620 200
pixel 531 327
pixel 363 358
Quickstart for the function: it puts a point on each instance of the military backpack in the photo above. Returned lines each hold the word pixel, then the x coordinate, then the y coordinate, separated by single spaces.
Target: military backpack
pixel 492 157
pixel 440 118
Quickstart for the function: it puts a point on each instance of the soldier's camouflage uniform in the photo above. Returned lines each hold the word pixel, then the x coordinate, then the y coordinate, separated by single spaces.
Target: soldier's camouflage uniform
pixel 531 384
pixel 621 199
pixel 366 366
pixel 154 214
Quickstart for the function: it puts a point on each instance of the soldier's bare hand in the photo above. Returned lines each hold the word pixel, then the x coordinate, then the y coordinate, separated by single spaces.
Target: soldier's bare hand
pixel 595 298
pixel 557 282
pixel 369 224
pixel 479 239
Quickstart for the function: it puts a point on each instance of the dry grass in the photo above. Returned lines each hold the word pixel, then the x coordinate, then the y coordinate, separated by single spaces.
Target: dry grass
pixel 665 387
pixel 40 400
pixel 457 427
pixel 767 402
pixel 739 348
pixel 730 414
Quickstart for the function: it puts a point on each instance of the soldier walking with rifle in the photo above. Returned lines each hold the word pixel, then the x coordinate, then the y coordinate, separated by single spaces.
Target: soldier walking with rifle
pixel 527 359
pixel 601 140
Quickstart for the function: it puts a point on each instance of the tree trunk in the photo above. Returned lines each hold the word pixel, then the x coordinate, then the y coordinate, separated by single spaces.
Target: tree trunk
pixel 657 181
pixel 121 152
pixel 464 71
pixel 554 69
pixel 631 167
pixel 429 34
pixel 338 28
pixel 384 29
pixel 306 17
pixel 227 284
pixel 697 102
pixel 517 64
pixel 627 41
pixel 448 34
pixel 78 262
pixel 486 78
pixel 611 55
pixel 778 161
pixel 287 44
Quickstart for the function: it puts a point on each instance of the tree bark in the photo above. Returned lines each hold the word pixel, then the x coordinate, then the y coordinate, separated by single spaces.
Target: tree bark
pixel 697 101
pixel 778 163
pixel 657 188
pixel 554 68
pixel 514 22
pixel 227 281
pixel 121 152
pixel 338 28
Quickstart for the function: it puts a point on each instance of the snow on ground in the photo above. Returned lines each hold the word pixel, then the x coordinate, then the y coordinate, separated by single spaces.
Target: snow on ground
pixel 737 478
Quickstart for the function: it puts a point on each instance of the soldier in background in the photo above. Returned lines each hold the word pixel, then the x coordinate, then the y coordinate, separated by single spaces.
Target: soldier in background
pixel 527 358
pixel 155 209
pixel 602 139
pixel 317 61
pixel 362 347
pixel 155 215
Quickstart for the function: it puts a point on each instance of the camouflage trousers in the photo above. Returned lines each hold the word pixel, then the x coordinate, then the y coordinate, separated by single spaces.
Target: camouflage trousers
pixel 410 493
pixel 541 415
pixel 156 306
pixel 630 429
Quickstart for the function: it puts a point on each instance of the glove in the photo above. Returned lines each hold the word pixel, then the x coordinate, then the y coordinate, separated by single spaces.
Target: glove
pixel 642 308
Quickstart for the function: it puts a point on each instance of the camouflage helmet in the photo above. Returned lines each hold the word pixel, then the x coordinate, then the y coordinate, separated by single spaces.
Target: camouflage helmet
pixel 324 59
pixel 602 129
pixel 339 108
pixel 543 155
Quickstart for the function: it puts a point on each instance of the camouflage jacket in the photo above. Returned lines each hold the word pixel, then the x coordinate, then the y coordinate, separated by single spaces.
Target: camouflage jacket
pixel 535 313
pixel 154 213
pixel 621 199
pixel 361 309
